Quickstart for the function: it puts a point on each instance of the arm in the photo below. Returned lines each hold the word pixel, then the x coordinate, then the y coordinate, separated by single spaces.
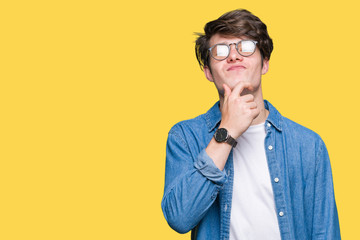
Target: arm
pixel 325 222
pixel 191 185
pixel 237 114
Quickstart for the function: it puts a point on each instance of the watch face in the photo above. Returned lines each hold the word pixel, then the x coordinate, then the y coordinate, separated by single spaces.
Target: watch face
pixel 221 135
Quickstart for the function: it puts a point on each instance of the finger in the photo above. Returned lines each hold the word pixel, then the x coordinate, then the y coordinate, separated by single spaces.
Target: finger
pixel 248 98
pixel 227 91
pixel 256 112
pixel 240 87
pixel 252 105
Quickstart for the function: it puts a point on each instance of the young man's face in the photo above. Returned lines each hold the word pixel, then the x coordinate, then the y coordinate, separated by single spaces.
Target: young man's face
pixel 235 68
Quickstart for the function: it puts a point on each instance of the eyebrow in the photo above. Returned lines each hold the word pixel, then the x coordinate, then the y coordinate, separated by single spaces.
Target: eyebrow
pixel 228 42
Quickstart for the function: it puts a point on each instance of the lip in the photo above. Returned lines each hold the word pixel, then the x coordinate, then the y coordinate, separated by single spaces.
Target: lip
pixel 236 67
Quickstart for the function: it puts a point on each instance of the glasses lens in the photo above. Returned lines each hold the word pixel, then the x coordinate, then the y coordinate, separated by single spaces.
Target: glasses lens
pixel 220 51
pixel 246 47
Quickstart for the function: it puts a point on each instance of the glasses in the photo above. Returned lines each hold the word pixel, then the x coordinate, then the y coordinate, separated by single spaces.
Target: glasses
pixel 221 51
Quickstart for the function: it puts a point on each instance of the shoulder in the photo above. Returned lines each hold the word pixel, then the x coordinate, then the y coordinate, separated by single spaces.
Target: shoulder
pixel 296 128
pixel 190 135
pixel 190 125
pixel 289 128
pixel 302 135
pixel 197 132
pixel 201 124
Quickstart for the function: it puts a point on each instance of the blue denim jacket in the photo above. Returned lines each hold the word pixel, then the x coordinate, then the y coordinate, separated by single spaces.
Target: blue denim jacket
pixel 198 196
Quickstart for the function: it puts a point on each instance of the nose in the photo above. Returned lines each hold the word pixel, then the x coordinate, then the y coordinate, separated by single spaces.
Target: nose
pixel 234 55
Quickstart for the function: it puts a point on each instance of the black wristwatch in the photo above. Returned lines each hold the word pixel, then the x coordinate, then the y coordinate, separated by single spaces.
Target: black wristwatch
pixel 222 135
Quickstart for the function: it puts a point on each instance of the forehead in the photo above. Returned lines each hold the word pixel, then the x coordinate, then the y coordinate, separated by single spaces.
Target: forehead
pixel 217 38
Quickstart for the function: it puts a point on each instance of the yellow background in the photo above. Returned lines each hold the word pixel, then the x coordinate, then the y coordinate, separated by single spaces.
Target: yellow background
pixel 89 90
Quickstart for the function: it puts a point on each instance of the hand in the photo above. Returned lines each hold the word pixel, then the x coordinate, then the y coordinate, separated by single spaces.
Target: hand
pixel 238 111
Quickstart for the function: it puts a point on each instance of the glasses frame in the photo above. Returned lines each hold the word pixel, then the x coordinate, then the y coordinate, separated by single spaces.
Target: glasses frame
pixel 236 47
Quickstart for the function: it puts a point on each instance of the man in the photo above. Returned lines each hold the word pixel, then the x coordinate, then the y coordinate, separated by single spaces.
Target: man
pixel 242 170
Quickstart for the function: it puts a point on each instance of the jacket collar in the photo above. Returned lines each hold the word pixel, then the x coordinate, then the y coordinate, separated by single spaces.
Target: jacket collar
pixel 213 116
pixel 274 117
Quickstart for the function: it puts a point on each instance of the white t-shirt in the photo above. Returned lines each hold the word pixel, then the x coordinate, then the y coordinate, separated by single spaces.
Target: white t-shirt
pixel 253 213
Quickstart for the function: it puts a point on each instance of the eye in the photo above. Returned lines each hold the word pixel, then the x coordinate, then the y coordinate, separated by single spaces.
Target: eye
pixel 247 46
pixel 222 50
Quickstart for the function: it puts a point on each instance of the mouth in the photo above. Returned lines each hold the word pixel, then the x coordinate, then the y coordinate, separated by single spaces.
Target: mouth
pixel 237 67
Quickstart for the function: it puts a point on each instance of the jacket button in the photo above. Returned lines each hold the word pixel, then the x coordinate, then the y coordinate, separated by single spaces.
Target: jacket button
pixel 270 147
pixel 281 214
pixel 276 180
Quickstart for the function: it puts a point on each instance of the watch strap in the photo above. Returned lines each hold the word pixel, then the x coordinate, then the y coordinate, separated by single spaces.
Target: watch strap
pixel 230 140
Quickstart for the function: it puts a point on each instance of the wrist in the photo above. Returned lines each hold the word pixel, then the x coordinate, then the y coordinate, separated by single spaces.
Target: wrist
pixel 231 131
pixel 222 135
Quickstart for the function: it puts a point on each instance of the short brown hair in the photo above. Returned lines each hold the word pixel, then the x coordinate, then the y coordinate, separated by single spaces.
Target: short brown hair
pixel 237 23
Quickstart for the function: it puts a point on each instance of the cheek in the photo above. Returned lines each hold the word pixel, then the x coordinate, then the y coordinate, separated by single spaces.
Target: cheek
pixel 216 73
pixel 257 70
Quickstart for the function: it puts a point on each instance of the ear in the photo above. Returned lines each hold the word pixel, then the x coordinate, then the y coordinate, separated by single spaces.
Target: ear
pixel 265 66
pixel 208 74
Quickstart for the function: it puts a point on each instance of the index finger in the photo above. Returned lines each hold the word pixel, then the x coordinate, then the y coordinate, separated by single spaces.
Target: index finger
pixel 240 87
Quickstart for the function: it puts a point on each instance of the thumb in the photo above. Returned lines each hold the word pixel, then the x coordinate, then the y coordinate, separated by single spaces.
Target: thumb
pixel 227 91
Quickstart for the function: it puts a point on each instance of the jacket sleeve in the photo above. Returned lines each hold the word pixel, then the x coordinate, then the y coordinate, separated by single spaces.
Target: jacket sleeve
pixel 325 222
pixel 191 185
